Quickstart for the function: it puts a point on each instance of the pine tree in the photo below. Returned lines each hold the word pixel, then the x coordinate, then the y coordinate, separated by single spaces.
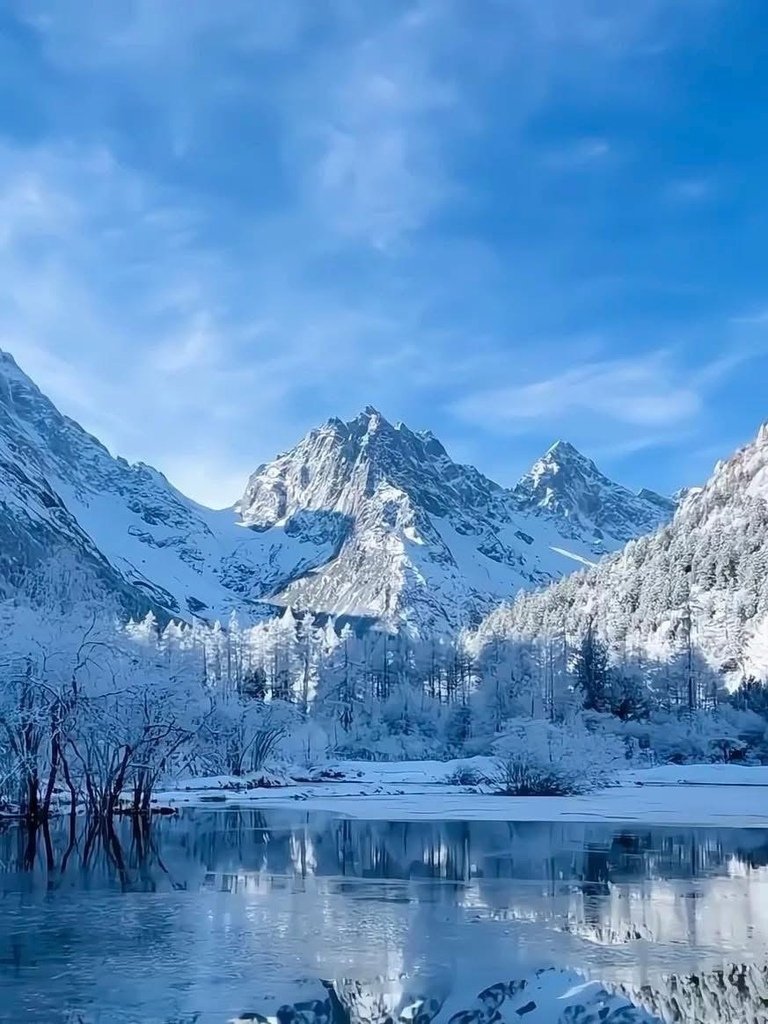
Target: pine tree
pixel 752 695
pixel 592 671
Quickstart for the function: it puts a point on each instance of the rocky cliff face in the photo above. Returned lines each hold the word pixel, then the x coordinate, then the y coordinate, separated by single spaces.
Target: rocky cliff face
pixel 425 541
pixel 569 489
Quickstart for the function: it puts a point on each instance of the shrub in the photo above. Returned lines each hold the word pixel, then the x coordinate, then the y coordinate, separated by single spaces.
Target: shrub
pixel 466 775
pixel 724 735
pixel 536 758
pixel 521 775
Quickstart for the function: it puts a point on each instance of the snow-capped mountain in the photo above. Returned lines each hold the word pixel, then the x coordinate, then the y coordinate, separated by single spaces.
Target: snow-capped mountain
pixel 701 579
pixel 545 995
pixel 730 994
pixel 122 530
pixel 361 518
pixel 423 540
pixel 567 487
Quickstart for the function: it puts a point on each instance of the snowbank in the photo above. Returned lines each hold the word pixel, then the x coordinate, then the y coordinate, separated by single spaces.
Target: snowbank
pixel 700 775
pixel 723 795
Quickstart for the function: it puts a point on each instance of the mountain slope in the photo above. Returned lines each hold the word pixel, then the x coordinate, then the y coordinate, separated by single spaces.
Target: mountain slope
pixel 567 487
pixel 425 541
pixel 708 565
pixel 361 518
pixel 123 528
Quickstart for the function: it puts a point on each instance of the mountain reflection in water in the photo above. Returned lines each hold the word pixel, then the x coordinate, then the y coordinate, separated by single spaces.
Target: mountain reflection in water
pixel 219 913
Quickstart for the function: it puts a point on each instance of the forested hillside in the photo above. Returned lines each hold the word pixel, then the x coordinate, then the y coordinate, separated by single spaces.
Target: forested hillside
pixel 690 599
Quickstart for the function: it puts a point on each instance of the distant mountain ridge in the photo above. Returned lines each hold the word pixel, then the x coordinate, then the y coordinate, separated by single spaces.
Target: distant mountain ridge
pixel 698 583
pixel 424 540
pixel 360 518
pixel 565 485
pixel 126 530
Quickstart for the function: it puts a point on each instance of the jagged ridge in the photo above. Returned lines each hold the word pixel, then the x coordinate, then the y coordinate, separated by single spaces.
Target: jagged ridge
pixel 429 542
pixel 569 487
pixel 361 518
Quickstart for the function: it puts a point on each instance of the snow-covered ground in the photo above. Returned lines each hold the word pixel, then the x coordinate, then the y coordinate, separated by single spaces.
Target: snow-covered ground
pixel 723 795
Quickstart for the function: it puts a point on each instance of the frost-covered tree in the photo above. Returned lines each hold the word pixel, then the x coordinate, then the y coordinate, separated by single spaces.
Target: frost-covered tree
pixel 593 675
pixel 690 598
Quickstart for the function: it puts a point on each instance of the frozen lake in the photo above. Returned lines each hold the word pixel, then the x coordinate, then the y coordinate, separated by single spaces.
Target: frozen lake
pixel 220 912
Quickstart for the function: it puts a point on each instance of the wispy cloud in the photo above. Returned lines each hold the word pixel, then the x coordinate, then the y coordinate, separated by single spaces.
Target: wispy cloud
pixel 755 318
pixel 81 297
pixel 644 392
pixel 579 155
pixel 197 345
pixel 370 145
pixel 691 190
pixel 236 219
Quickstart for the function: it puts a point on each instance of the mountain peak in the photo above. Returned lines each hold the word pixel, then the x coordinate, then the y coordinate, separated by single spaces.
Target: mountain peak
pixel 370 418
pixel 553 471
pixel 371 421
pixel 721 523
pixel 567 486
pixel 342 464
pixel 563 453
pixel 563 448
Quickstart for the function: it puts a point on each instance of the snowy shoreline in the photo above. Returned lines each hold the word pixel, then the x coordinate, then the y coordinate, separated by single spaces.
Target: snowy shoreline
pixel 692 795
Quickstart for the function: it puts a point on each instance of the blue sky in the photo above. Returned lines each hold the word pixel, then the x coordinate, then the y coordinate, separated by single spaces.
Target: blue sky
pixel 506 221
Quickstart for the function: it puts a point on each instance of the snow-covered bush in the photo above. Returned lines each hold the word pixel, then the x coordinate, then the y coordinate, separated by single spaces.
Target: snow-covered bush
pixel 466 775
pixel 537 758
pixel 525 774
pixel 379 744
pixel 724 735
pixel 405 727
pixel 241 734
pixel 305 745
pixel 457 730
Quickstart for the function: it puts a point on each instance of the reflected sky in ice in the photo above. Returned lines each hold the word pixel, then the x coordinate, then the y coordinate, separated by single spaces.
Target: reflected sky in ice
pixel 221 911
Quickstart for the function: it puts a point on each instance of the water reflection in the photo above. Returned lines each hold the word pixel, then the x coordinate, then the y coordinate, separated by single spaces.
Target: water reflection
pixel 221 910
pixel 238 843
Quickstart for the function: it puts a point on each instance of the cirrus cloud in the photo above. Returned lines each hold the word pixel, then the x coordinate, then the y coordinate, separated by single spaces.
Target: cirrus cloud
pixel 647 392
